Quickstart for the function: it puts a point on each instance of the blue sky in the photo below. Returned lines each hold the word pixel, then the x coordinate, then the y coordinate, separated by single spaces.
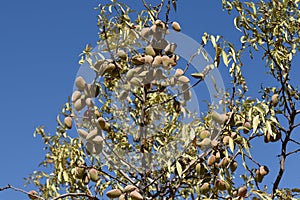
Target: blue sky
pixel 40 43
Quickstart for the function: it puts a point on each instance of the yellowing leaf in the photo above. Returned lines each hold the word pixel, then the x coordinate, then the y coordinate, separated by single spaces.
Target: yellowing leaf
pixel 261 194
pixel 236 23
pixel 81 61
pixel 179 168
pixel 169 166
pixel 269 128
pixel 213 41
pixel 231 144
pixel 204 38
pixel 246 146
pixel 66 177
pixel 225 58
pixel 198 75
pixel 255 123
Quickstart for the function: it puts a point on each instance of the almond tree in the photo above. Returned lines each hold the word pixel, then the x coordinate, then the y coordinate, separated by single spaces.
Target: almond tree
pixel 137 136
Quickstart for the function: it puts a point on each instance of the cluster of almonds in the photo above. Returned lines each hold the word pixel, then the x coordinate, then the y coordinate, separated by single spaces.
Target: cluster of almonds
pixel 260 173
pixel 149 68
pixel 158 29
pixel 276 135
pixel 146 71
pixel 108 66
pixel 94 139
pixel 219 184
pixel 84 95
pixel 216 158
pixel 81 98
pixel 129 191
pixel 223 185
pixel 220 118
pixel 86 174
pixel 208 139
pixel 153 66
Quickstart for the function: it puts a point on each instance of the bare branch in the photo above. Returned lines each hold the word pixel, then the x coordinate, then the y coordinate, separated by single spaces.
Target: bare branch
pixel 292 152
pixel 148 9
pixel 250 158
pixel 20 190
pixel 292 140
pixel 75 195
pixel 296 125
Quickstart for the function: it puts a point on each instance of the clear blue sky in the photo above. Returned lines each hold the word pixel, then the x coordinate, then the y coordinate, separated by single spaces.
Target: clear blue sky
pixel 39 47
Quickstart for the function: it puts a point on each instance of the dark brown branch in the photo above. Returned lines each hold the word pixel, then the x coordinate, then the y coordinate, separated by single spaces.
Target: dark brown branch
pixel 56 198
pixel 292 152
pixel 283 154
pixel 292 140
pixel 168 10
pixel 112 177
pixel 75 195
pixel 250 158
pixel 292 112
pixel 148 9
pixel 20 190
pixel 296 125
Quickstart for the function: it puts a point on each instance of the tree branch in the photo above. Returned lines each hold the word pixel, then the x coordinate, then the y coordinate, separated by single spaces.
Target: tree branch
pixel 292 140
pixel 20 190
pixel 292 152
pixel 56 198
pixel 148 9
pixel 75 195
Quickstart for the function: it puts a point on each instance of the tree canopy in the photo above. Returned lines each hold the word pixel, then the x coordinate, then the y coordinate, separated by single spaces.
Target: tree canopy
pixel 135 109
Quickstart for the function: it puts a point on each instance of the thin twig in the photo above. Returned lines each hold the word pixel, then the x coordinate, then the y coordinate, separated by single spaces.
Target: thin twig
pixel 168 10
pixel 249 157
pixel 124 162
pixel 292 152
pixel 20 190
pixel 292 140
pixel 75 195
pixel 112 177
pixel 149 10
